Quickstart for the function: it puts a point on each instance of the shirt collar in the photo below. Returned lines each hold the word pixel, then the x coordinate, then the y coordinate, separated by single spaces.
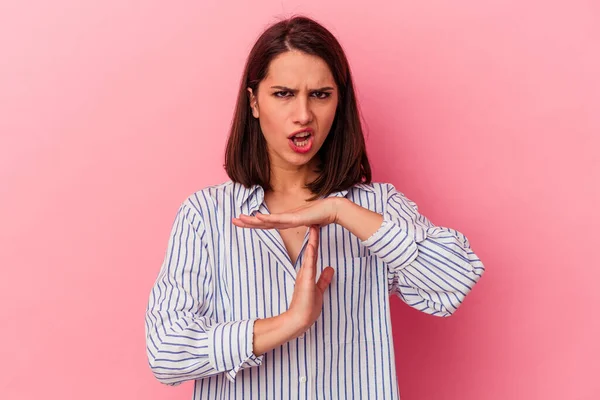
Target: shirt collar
pixel 256 194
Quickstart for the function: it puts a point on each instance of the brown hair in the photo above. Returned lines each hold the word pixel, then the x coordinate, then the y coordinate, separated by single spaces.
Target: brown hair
pixel 343 158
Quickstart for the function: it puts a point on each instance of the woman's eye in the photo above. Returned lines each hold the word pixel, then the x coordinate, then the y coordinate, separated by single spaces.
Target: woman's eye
pixel 322 95
pixel 285 93
pixel 278 94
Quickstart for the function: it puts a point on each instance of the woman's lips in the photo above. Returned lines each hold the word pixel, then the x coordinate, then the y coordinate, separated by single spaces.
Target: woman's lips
pixel 300 132
pixel 302 149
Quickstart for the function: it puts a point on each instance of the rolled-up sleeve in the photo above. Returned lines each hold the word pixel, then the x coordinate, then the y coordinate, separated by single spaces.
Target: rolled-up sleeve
pixel 431 268
pixel 183 341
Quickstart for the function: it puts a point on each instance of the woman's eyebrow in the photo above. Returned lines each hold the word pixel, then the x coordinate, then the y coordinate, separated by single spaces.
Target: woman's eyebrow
pixel 296 90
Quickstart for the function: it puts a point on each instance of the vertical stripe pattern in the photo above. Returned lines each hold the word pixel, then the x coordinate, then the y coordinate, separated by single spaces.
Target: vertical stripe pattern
pixel 216 280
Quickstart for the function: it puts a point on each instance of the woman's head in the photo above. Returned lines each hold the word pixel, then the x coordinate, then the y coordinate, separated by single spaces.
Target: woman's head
pixel 297 78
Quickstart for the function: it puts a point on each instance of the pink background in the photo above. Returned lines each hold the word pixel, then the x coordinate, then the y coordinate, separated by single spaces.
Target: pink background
pixel 484 113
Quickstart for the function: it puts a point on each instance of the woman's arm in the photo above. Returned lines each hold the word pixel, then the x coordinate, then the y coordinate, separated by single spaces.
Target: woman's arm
pixel 270 333
pixel 360 221
pixel 183 341
pixel 431 268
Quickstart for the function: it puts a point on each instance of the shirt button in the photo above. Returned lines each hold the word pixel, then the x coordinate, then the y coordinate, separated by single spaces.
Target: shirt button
pixel 301 336
pixel 302 379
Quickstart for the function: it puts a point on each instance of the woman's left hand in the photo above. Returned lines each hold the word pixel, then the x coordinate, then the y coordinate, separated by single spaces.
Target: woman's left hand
pixel 319 212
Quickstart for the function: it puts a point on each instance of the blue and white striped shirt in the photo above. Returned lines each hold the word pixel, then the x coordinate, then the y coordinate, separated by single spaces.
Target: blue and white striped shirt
pixel 217 279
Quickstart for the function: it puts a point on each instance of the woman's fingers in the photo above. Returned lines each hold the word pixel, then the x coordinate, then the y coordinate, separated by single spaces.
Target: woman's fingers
pixel 327 273
pixel 313 237
pixel 283 220
pixel 247 221
pixel 308 264
pixel 275 218
pixel 310 256
pixel 252 220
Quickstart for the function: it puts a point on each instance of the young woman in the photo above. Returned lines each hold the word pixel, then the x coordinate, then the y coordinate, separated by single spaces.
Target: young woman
pixel 276 283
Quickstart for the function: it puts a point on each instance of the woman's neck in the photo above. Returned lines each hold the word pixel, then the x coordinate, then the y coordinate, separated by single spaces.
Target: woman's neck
pixel 292 181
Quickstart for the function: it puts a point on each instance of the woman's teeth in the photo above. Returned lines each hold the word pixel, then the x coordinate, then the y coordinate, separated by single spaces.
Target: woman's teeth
pixel 301 139
pixel 302 143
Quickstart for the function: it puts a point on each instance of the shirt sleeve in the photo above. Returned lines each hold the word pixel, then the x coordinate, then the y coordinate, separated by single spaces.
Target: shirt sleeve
pixel 183 341
pixel 431 268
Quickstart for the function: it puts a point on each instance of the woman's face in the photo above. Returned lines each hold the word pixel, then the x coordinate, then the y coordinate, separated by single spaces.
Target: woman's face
pixel 298 93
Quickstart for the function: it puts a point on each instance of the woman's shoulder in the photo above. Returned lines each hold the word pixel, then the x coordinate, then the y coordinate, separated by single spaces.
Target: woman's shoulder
pixel 377 188
pixel 382 191
pixel 208 197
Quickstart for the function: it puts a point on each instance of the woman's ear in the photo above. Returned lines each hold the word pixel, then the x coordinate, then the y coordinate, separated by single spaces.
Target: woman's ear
pixel 253 103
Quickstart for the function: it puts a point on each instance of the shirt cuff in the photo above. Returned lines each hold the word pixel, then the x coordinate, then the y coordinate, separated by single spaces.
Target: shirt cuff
pixel 230 347
pixel 392 244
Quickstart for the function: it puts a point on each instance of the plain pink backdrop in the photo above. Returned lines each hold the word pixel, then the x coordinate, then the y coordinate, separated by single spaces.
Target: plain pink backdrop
pixel 483 113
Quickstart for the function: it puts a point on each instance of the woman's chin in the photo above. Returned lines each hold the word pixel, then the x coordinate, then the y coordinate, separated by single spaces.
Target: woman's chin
pixel 299 160
pixel 294 158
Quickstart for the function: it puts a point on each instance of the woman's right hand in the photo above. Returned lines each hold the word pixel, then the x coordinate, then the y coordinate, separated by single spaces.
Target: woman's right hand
pixel 307 300
pixel 306 305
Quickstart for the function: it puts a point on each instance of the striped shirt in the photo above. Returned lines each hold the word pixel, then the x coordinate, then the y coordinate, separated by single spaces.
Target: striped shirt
pixel 217 279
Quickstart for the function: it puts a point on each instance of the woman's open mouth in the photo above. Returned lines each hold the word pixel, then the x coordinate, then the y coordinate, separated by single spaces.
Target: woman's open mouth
pixel 301 142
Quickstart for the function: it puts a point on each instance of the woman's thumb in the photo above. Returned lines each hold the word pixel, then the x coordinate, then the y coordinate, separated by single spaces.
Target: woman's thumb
pixel 325 278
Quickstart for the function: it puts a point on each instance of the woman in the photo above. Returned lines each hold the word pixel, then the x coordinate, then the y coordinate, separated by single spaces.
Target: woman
pixel 237 305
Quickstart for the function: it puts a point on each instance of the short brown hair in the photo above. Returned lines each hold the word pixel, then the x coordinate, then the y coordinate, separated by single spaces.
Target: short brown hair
pixel 343 156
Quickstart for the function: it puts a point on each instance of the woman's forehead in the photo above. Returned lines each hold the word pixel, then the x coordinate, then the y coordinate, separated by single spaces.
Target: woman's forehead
pixel 299 70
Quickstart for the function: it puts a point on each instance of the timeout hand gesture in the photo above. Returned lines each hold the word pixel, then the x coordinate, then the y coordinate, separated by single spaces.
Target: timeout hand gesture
pixel 307 300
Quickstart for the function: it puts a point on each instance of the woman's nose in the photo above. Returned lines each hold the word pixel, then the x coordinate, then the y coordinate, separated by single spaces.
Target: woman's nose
pixel 303 114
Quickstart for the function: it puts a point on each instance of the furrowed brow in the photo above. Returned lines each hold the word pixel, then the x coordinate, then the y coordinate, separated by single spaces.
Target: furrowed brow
pixel 323 89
